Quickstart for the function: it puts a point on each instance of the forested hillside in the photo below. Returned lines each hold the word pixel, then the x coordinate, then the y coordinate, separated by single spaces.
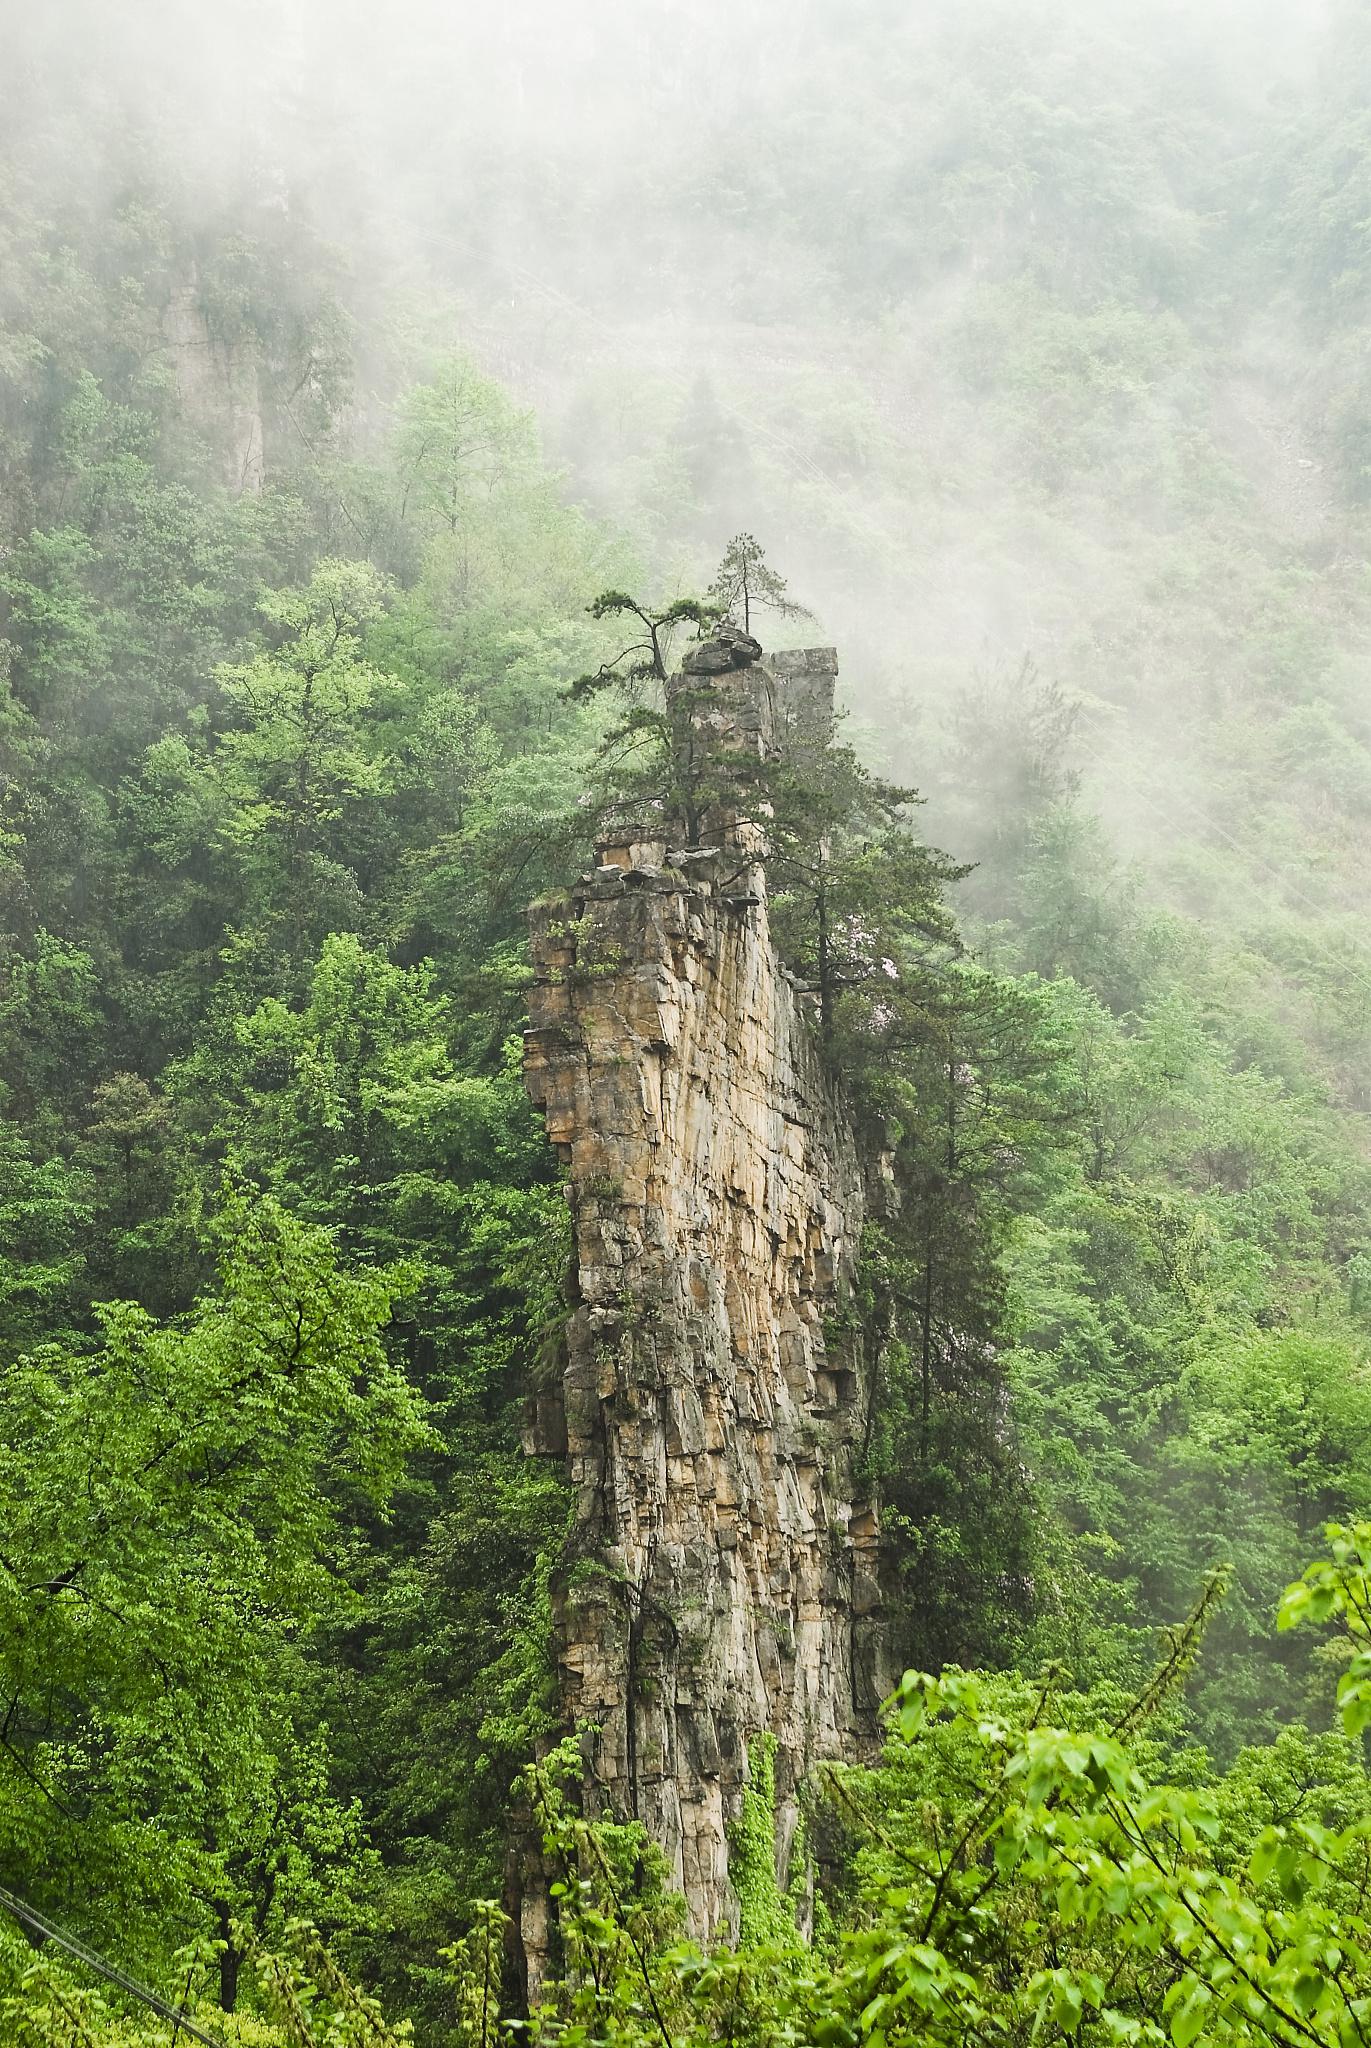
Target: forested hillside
pixel 341 384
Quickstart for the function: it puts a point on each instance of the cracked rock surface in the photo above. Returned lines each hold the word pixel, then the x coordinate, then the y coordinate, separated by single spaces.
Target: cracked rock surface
pixel 721 1576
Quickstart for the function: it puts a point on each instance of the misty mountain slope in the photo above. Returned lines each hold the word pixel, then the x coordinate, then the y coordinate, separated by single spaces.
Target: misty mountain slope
pixel 1120 471
pixel 1160 614
pixel 345 360
pixel 1030 435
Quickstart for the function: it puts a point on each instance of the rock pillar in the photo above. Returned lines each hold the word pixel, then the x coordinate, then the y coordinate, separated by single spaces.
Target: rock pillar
pixel 721 1577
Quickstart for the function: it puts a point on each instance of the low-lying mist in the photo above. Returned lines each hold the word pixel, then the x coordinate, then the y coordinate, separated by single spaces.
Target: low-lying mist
pixel 1006 328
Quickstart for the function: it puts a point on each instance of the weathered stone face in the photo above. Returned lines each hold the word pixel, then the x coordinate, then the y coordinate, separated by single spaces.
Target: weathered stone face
pixel 721 1577
pixel 803 692
pixel 730 648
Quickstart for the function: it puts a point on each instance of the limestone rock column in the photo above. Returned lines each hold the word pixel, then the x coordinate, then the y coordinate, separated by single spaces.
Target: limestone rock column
pixel 719 1579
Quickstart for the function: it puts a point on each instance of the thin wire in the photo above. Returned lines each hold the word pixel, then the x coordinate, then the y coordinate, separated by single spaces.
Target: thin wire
pixel 37 1923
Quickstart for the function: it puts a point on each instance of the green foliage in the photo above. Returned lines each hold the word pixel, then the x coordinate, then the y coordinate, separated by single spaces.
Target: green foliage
pixel 44 1210
pixel 297 768
pixel 745 581
pixel 1340 1587
pixel 301 1994
pixel 1018 1868
pixel 455 436
pixel 287 741
pixel 972 1079
pixel 859 902
pixel 166 1550
pixel 764 1916
pixel 644 659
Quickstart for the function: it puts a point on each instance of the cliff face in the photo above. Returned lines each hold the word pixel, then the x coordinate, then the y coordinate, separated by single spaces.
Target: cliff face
pixel 217 383
pixel 721 1577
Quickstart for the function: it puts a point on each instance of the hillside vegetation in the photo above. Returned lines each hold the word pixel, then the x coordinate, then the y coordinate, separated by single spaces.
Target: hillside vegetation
pixel 1034 349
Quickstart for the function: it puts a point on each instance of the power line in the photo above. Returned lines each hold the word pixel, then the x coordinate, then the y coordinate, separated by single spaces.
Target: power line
pixel 37 1923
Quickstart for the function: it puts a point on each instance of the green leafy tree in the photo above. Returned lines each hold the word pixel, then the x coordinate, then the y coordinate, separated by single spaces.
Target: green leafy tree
pixel 299 763
pixel 165 1553
pixel 50 1018
pixel 969 1074
pixel 352 1105
pixel 45 1214
pixel 645 657
pixel 858 900
pixel 455 436
pixel 745 582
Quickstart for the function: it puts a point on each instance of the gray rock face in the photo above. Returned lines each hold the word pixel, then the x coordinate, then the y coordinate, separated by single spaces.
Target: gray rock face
pixel 721 1575
pixel 804 678
pixel 730 648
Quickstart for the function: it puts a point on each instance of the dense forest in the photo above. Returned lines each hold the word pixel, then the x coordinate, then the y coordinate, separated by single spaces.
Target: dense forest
pixel 349 367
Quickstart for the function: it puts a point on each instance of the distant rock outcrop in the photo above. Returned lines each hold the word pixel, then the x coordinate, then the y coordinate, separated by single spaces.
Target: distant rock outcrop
pixel 218 385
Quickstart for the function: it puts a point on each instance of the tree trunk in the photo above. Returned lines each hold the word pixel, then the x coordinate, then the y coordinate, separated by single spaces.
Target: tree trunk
pixel 230 1960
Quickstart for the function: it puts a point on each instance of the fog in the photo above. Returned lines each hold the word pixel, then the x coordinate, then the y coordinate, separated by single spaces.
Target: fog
pixel 989 320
